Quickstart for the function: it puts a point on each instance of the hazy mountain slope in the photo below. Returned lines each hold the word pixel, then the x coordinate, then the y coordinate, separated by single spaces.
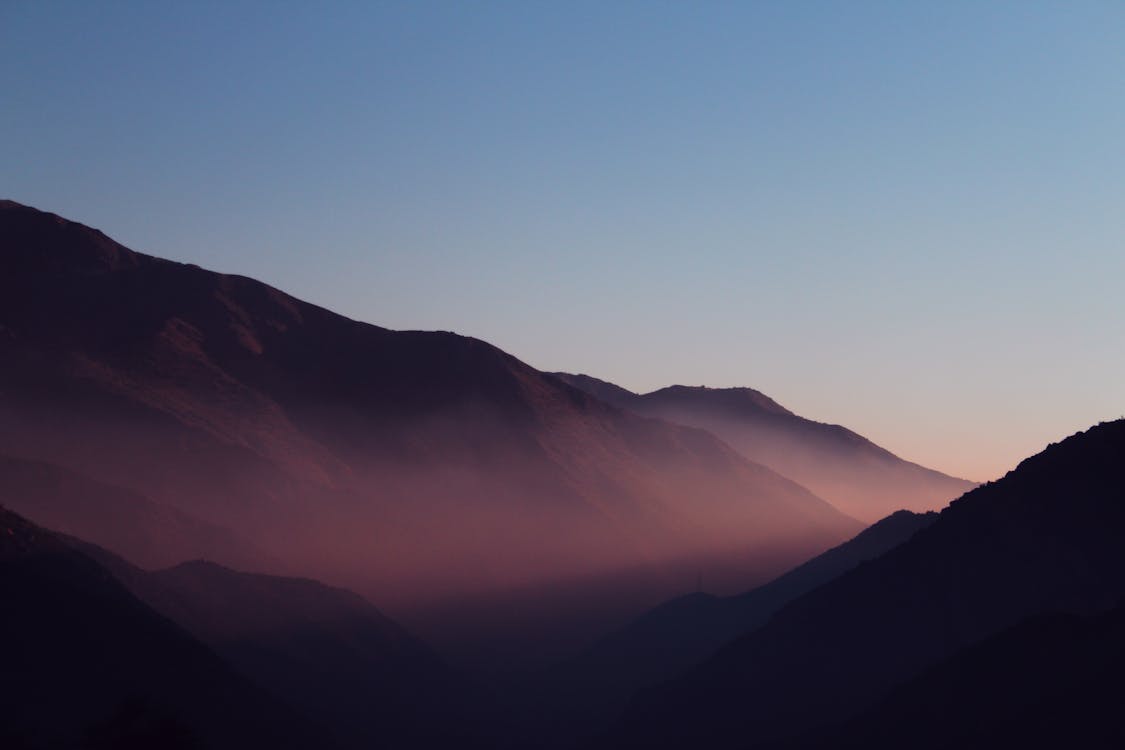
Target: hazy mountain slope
pixel 326 651
pixel 847 469
pixel 86 663
pixel 1051 681
pixel 1045 538
pixel 113 517
pixel 415 467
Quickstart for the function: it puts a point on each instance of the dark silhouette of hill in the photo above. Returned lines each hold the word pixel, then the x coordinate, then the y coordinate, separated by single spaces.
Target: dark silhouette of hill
pixel 326 651
pixel 420 468
pixel 857 476
pixel 113 517
pixel 1051 681
pixel 1045 538
pixel 87 664
pixel 581 695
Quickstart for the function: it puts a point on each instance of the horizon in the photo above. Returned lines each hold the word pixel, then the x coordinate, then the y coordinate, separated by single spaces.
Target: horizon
pixel 901 220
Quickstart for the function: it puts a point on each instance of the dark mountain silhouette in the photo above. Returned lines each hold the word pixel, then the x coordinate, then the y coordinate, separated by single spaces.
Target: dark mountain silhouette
pixel 418 468
pixel 87 664
pixel 583 693
pixel 686 630
pixel 857 476
pixel 1051 681
pixel 113 517
pixel 326 651
pixel 1045 538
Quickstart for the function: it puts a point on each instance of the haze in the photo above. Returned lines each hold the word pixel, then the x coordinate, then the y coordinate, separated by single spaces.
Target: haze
pixel 903 220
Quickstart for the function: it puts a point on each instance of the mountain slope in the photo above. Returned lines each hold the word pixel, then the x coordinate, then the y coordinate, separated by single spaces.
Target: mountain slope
pixel 847 469
pixel 85 662
pixel 326 651
pixel 415 467
pixel 589 690
pixel 68 502
pixel 1045 538
pixel 684 631
pixel 1051 681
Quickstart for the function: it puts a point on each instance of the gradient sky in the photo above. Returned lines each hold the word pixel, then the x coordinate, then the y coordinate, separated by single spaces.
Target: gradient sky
pixel 902 218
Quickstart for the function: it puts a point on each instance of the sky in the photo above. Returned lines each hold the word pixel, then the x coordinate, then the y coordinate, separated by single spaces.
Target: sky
pixel 902 217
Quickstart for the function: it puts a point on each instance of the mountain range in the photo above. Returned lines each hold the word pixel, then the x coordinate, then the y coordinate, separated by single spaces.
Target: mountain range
pixel 858 477
pixel 419 468
pixel 220 502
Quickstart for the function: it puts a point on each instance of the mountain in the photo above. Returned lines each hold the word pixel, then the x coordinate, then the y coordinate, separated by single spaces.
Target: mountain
pixel 426 470
pixel 85 663
pixel 1045 538
pixel 113 517
pixel 589 690
pixel 682 632
pixel 857 476
pixel 1051 681
pixel 326 651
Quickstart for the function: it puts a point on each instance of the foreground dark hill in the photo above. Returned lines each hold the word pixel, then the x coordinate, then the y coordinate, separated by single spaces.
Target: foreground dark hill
pixel 848 470
pixel 1045 538
pixel 415 467
pixel 581 695
pixel 326 651
pixel 1051 681
pixel 686 630
pixel 86 664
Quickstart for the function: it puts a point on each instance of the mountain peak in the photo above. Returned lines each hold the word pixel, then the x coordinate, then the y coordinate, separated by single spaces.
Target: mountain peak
pixel 861 478
pixel 739 400
pixel 39 239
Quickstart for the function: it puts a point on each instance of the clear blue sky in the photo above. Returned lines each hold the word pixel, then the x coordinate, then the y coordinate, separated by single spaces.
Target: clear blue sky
pixel 904 217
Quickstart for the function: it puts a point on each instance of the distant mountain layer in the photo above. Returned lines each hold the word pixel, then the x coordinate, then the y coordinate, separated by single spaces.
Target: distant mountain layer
pixel 415 467
pixel 86 664
pixel 857 476
pixel 1045 538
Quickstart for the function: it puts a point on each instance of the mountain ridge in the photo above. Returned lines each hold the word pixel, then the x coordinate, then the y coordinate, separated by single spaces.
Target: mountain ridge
pixel 863 479
pixel 127 676
pixel 360 455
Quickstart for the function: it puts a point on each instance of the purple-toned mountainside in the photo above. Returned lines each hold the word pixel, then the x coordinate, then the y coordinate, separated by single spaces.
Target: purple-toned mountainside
pixel 416 467
pixel 115 518
pixel 857 476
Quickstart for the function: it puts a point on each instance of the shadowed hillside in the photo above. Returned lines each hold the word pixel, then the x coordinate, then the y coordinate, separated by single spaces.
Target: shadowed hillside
pixel 588 691
pixel 326 651
pixel 86 664
pixel 1051 681
pixel 1045 538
